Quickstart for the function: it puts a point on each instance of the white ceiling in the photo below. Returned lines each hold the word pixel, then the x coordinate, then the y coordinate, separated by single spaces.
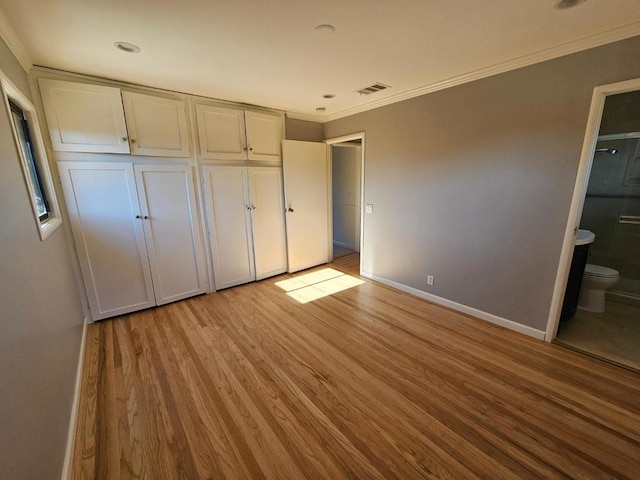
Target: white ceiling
pixel 267 52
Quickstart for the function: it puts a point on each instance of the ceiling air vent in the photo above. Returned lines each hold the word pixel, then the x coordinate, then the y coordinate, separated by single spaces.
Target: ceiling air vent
pixel 373 88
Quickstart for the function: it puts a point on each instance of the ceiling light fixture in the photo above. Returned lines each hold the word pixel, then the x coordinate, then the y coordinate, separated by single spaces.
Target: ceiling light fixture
pixel 325 28
pixel 329 95
pixel 127 47
pixel 564 4
pixel 321 109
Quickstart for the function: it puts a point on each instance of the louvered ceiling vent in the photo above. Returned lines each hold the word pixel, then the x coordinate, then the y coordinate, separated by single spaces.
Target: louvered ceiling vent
pixel 373 88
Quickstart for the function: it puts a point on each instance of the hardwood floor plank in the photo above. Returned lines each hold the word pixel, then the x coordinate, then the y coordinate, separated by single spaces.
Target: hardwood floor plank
pixel 368 382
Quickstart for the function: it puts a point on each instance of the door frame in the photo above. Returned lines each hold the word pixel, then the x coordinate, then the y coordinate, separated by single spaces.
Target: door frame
pixel 598 99
pixel 332 141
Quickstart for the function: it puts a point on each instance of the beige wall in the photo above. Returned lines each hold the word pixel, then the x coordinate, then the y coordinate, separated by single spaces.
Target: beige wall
pixel 40 324
pixel 303 130
pixel 473 184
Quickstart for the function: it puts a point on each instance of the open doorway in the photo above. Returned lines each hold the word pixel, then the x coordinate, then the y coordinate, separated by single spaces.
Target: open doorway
pixel 347 161
pixel 600 307
pixel 345 197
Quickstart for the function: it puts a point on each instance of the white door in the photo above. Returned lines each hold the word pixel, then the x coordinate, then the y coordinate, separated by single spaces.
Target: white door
pixel 84 118
pixel 172 231
pixel 157 126
pixel 108 234
pixel 306 190
pixel 221 133
pixel 229 217
pixel 269 236
pixel 264 136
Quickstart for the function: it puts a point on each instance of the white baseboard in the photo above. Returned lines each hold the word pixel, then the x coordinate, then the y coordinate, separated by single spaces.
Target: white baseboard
pixel 345 245
pixel 71 434
pixel 489 317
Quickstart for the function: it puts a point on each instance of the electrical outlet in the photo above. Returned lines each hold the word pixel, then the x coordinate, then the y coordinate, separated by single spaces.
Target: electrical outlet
pixel 368 208
pixel 429 279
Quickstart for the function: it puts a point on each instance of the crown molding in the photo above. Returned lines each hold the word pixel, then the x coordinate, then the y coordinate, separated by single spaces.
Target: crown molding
pixel 14 43
pixel 585 43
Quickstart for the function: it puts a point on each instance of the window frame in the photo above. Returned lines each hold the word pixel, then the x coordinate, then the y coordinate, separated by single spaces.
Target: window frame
pixel 46 226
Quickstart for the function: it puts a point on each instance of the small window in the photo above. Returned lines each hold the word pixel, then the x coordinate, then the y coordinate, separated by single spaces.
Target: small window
pixel 33 159
pixel 29 158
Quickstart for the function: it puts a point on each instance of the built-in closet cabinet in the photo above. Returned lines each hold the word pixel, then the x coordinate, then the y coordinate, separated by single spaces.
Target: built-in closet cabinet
pixel 100 119
pixel 136 232
pixel 245 213
pixel 226 133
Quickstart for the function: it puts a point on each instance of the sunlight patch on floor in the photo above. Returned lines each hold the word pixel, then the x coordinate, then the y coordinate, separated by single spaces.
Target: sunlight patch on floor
pixel 322 283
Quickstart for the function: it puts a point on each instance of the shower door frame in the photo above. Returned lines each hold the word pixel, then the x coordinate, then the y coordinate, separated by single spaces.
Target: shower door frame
pixel 598 99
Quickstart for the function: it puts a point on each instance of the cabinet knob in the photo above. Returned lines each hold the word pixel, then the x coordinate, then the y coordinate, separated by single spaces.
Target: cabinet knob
pixel 133 140
pixel 146 217
pixel 290 210
pixel 248 207
pixel 253 207
pixel 124 139
pixel 138 216
pixel 251 148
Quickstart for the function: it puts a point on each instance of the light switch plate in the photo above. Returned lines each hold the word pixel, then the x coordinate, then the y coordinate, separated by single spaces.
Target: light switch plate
pixel 368 208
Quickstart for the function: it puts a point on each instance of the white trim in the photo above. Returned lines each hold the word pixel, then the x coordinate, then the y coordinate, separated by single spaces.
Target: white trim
pixel 619 136
pixel 75 406
pixel 347 138
pixel 489 317
pixel 14 43
pixel 10 91
pixel 592 41
pixel 579 191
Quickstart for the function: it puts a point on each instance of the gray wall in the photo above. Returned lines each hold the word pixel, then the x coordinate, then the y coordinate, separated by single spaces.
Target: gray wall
pixel 41 324
pixel 473 184
pixel 303 130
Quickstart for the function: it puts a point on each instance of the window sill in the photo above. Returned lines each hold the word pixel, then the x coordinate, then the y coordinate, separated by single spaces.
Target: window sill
pixel 48 227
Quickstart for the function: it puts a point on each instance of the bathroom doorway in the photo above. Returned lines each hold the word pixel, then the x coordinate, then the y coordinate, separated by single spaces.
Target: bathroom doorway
pixel 606 323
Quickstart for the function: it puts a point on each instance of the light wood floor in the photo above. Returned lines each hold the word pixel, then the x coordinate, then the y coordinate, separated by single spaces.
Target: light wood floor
pixel 366 383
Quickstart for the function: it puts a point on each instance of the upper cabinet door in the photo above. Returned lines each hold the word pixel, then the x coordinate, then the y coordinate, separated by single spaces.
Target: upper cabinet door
pixel 157 126
pixel 221 133
pixel 264 135
pixel 84 118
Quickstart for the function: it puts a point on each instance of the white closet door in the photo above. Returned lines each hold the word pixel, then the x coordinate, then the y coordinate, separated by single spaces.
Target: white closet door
pixel 172 231
pixel 306 189
pixel 269 236
pixel 229 218
pixel 221 133
pixel 102 204
pixel 264 136
pixel 157 126
pixel 83 117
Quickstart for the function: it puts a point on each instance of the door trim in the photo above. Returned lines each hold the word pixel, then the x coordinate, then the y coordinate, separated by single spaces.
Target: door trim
pixel 333 141
pixel 598 99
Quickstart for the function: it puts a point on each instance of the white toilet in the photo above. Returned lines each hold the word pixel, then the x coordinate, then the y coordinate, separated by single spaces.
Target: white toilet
pixel 595 281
